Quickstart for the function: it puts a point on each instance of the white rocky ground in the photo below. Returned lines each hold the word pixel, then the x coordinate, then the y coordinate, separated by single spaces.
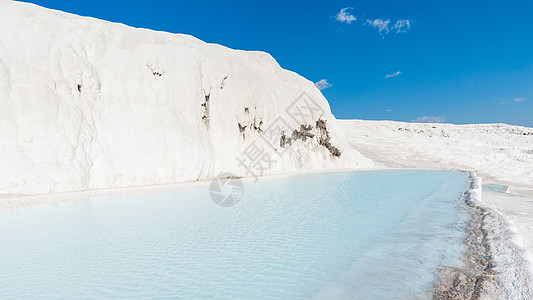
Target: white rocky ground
pixel 519 211
pixel 498 153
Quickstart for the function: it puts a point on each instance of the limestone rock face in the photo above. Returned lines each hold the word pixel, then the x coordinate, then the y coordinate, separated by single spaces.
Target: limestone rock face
pixel 89 104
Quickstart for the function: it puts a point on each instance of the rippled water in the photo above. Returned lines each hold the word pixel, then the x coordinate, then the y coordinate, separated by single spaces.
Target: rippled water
pixel 369 235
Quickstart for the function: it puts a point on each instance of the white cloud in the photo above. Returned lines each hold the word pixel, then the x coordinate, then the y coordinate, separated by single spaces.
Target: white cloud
pixel 380 24
pixel 388 109
pixel 344 16
pixel 430 119
pixel 515 100
pixel 322 84
pixel 396 74
pixel 402 26
pixel 384 25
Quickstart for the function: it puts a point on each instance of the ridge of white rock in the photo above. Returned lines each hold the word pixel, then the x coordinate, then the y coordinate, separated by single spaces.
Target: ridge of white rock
pixel 88 104
pixel 499 153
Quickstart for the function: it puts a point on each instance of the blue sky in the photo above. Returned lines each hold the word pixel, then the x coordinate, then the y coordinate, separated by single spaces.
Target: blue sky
pixel 459 61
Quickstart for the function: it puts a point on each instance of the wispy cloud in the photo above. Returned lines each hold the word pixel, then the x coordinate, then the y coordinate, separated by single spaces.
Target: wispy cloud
pixel 384 26
pixel 402 26
pixel 429 119
pixel 344 16
pixel 380 24
pixel 395 74
pixel 515 100
pixel 323 84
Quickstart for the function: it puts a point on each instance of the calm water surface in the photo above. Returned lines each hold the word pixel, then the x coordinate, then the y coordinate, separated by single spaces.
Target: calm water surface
pixel 351 235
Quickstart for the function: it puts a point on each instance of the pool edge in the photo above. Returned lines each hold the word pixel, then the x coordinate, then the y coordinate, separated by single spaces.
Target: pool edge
pixel 495 266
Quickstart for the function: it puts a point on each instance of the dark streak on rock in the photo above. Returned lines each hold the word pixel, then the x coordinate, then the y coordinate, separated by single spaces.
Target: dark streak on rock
pixel 258 127
pixel 324 138
pixel 223 82
pixel 205 105
pixel 242 129
pixel 306 131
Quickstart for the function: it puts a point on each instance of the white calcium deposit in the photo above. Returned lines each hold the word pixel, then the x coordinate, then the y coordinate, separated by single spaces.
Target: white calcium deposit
pixel 498 153
pixel 88 104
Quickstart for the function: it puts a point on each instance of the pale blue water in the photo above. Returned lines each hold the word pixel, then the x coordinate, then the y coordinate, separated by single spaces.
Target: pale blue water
pixel 353 235
pixel 495 188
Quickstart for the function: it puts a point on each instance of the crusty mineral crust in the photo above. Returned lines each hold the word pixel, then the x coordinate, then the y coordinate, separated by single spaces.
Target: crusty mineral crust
pixel 494 266
pixel 467 282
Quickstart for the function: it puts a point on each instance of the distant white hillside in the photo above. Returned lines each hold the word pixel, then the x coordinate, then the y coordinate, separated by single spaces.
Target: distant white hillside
pixel 499 153
pixel 88 104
